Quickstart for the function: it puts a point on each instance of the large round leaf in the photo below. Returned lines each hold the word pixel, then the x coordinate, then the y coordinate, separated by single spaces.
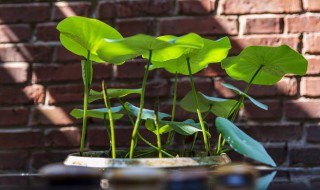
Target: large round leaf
pixel 242 143
pixel 118 51
pixel 275 63
pixel 80 35
pixel 211 52
pixel 218 106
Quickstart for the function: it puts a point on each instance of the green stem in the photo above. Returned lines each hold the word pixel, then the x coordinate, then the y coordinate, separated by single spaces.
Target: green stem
pixel 157 127
pixel 174 96
pixel 108 106
pixel 137 123
pixel 85 69
pixel 205 140
pixel 107 129
pixel 194 141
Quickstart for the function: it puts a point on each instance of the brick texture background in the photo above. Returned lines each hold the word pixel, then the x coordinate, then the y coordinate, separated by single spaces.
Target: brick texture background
pixel 40 82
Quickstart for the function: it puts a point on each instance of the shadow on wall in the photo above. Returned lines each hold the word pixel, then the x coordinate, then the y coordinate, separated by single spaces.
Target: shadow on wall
pixel 40 82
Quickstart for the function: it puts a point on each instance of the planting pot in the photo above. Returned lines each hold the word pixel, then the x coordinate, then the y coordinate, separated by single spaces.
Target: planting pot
pixel 91 160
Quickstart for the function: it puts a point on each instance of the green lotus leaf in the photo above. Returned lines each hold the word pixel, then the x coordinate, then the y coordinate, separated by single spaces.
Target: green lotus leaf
pixel 100 113
pixel 188 127
pixel 275 63
pixel 254 101
pixel 211 52
pixel 163 128
pixel 117 51
pixel 242 143
pixel 81 35
pixel 112 93
pixel 146 113
pixel 218 106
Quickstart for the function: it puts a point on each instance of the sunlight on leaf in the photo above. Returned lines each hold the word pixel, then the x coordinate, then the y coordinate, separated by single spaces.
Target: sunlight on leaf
pixel 112 93
pixel 99 113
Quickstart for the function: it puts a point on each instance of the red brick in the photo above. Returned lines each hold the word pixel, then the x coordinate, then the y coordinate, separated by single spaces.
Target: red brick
pixel 30 53
pixel 13 161
pixel 313 133
pixel 157 89
pixel 40 159
pixel 313 66
pixel 129 8
pixel 203 85
pixel 47 32
pixel 131 69
pixel 65 93
pixel 304 156
pixel 63 10
pixel 213 70
pixel 278 152
pixel 262 25
pixel 302 109
pixel 12 139
pixel 102 71
pixel 53 116
pixel 13 116
pixel 262 6
pixel 239 43
pixel 24 12
pixel 15 33
pixel 311 5
pixel 252 112
pixel 63 137
pixel 13 73
pixel 106 10
pixel 26 95
pixel 302 23
pixel 285 87
pixel 63 55
pixel 194 6
pixel 129 27
pixel 311 43
pixel 201 25
pixel 310 86
pixel 275 132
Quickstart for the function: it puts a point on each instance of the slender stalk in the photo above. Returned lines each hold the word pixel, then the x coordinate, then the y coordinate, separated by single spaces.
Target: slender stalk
pixel 205 140
pixel 137 123
pixel 193 141
pixel 87 80
pixel 107 129
pixel 156 109
pixel 108 106
pixel 174 101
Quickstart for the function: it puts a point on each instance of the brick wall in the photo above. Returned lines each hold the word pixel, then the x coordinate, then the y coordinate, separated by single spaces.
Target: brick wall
pixel 40 82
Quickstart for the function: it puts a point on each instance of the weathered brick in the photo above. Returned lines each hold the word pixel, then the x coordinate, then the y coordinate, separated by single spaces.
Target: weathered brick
pixel 213 70
pixel 311 5
pixel 285 87
pixel 12 139
pixel 310 86
pixel 63 55
pixel 261 25
pixel 129 27
pixel 47 32
pixel 106 10
pixel 157 89
pixel 252 112
pixel 262 6
pixel 278 152
pixel 27 52
pixel 53 116
pixel 311 43
pixel 13 161
pixel 205 25
pixel 313 133
pixel 65 93
pixel 14 116
pixel 15 33
pixel 13 73
pixel 304 156
pixel 302 23
pixel 129 8
pixel 313 65
pixel 239 43
pixel 40 159
pixel 273 132
pixel 63 137
pixel 22 95
pixel 194 6
pixel 24 12
pixel 63 10
pixel 131 69
pixel 203 85
pixel 302 109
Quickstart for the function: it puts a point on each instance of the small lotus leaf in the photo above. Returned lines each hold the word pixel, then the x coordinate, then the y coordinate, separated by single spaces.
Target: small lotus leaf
pixel 188 127
pixel 163 128
pixel 218 106
pixel 100 113
pixel 275 63
pixel 146 113
pixel 112 93
pixel 81 35
pixel 242 143
pixel 254 101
